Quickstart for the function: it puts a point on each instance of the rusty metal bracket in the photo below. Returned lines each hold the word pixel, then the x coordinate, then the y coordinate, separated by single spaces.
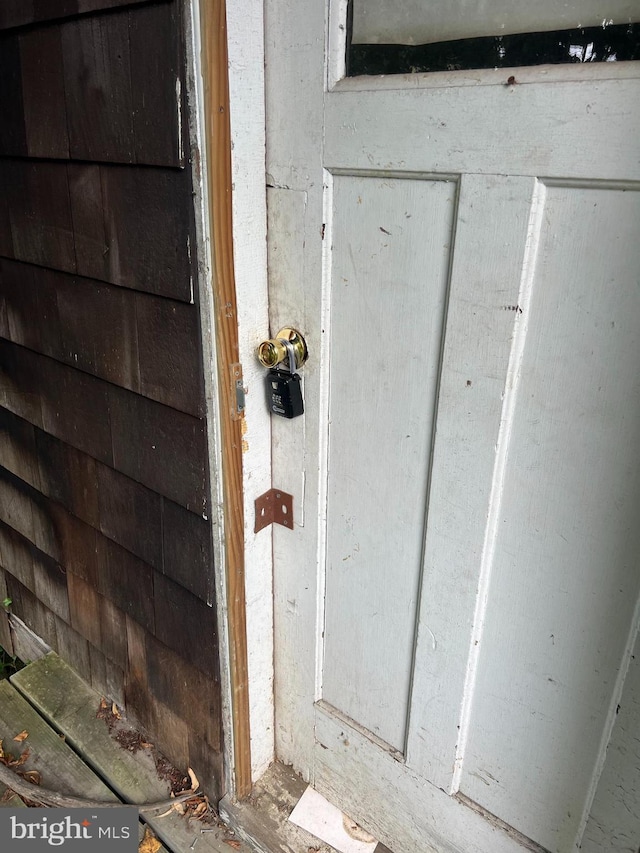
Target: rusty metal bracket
pixel 274 507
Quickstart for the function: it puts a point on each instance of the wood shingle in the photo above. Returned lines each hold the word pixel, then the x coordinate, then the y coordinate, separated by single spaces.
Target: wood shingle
pixel 105 531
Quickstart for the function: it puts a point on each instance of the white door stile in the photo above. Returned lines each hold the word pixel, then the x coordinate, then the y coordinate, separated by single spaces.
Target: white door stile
pixel 473 421
pixel 294 260
pixel 509 398
pixel 522 307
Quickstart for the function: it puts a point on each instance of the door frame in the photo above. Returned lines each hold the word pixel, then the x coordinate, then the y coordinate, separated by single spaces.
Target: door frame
pixel 225 82
pixel 245 69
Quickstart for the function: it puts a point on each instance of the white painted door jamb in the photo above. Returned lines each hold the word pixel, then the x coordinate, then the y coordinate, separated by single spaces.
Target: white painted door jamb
pixel 245 33
pixel 246 85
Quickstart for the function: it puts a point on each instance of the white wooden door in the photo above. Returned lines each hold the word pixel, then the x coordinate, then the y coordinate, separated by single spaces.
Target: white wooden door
pixel 457 605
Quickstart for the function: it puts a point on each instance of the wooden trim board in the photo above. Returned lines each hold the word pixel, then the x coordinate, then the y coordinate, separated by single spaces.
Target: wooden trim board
pixel 218 151
pixel 246 115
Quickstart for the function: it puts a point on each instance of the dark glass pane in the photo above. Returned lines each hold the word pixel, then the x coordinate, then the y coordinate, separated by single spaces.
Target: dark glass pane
pixel 618 43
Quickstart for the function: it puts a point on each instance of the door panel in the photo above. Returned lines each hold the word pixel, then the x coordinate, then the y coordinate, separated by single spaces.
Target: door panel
pixel 563 580
pixel 390 247
pixel 453 632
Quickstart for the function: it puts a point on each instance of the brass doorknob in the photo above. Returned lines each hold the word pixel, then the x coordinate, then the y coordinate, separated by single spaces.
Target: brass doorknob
pixel 274 352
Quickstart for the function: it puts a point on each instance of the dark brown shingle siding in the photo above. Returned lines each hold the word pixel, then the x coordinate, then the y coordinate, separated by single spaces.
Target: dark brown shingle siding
pixel 122 225
pixel 20 13
pixel 95 88
pixel 105 541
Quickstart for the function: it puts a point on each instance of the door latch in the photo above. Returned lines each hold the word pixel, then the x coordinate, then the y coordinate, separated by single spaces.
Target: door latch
pixel 284 386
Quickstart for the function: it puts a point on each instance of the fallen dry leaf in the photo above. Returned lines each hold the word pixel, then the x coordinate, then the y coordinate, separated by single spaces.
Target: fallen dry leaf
pixel 8 797
pixel 32 776
pixel 149 843
pixel 232 843
pixel 200 809
pixel 22 736
pixel 194 779
pixel 10 761
pixel 115 712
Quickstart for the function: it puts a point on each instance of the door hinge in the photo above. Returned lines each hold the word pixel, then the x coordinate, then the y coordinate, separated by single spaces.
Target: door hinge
pixel 274 507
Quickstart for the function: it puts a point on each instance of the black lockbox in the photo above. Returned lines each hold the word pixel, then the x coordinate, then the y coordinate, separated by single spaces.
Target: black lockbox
pixel 284 393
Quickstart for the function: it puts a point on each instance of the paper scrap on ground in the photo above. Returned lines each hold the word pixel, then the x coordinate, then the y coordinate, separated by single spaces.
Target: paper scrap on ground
pixel 324 820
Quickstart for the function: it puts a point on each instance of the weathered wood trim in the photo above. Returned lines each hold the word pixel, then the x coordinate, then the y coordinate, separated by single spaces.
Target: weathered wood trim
pixel 27 645
pixel 218 153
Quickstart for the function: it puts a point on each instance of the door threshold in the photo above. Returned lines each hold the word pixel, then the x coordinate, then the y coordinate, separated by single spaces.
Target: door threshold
pixel 262 821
